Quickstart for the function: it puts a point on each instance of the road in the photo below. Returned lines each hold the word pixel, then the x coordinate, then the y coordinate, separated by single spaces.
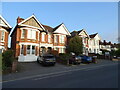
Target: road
pixel 92 76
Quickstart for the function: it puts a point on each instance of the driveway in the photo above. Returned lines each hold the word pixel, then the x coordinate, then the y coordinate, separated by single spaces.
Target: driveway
pixel 33 69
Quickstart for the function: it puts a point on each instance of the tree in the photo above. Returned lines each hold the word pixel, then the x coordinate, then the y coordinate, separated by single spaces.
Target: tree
pixel 117 52
pixel 75 45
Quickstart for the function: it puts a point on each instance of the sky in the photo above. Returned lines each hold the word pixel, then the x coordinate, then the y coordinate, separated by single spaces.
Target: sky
pixel 94 17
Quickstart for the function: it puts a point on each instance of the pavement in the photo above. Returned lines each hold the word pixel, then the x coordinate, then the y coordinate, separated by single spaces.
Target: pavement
pixel 32 75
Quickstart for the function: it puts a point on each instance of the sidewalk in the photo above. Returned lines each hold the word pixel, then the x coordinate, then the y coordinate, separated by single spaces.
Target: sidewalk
pixel 32 69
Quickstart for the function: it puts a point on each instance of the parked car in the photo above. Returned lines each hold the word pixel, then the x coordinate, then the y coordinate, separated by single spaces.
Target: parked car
pixel 46 59
pixel 86 59
pixel 75 60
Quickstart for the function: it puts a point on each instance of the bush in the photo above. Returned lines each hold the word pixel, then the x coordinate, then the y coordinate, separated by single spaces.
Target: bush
pixel 7 59
pixel 63 58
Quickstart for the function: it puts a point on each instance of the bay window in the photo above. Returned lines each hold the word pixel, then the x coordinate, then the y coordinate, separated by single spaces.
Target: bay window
pixel 22 49
pixel 43 37
pixel 33 49
pixel 28 49
pixel 56 38
pixel 31 34
pixel 49 38
pixel 23 33
pixel 2 35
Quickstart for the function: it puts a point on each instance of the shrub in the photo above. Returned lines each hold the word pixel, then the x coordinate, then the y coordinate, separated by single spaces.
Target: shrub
pixel 63 58
pixel 7 59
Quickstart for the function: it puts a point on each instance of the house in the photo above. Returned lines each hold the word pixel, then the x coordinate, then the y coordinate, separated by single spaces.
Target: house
pixel 31 38
pixel 85 38
pixel 5 29
pixel 94 43
pixel 105 45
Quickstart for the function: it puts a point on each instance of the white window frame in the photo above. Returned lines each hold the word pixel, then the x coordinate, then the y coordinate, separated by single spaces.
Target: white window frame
pixel 38 36
pixel 2 36
pixel 22 33
pixel 22 49
pixel 30 32
pixel 49 38
pixel 43 37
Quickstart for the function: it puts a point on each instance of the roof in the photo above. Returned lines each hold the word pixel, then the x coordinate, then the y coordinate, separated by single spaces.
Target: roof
pixel 78 32
pixel 105 43
pixel 48 28
pixel 93 35
pixel 65 28
pixel 57 27
pixel 5 22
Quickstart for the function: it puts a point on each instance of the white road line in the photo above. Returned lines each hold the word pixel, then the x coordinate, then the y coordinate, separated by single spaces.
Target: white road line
pixel 57 73
pixel 51 76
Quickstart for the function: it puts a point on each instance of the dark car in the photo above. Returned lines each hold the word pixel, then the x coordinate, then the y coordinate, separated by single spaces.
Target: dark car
pixel 75 60
pixel 86 59
pixel 46 59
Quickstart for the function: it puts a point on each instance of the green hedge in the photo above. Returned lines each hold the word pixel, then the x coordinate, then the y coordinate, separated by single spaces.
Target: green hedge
pixel 7 59
pixel 63 58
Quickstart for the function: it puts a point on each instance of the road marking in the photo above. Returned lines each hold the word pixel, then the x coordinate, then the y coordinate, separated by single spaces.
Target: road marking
pixel 57 73
pixel 51 76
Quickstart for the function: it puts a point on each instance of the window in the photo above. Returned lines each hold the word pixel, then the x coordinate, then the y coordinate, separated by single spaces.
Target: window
pixel 62 39
pixel 28 49
pixel 33 49
pixel 56 38
pixel 94 42
pixel 22 49
pixel 2 35
pixel 60 50
pixel 23 33
pixel 94 50
pixel 43 37
pixel 56 49
pixel 38 36
pixel 63 50
pixel 31 34
pixel 49 38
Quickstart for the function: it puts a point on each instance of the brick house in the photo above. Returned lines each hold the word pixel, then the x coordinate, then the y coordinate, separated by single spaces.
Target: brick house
pixel 5 29
pixel 31 38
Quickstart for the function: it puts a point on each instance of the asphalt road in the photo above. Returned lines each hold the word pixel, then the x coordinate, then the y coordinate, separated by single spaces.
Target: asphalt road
pixel 92 76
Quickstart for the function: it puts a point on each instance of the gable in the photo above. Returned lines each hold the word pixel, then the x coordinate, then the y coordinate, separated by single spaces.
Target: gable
pixel 32 22
pixel 83 33
pixel 4 23
pixel 97 37
pixel 62 30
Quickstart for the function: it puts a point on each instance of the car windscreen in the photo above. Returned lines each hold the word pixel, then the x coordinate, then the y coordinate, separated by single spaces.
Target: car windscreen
pixel 48 56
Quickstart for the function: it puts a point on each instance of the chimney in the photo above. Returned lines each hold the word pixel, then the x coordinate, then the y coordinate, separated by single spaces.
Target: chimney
pixel 19 20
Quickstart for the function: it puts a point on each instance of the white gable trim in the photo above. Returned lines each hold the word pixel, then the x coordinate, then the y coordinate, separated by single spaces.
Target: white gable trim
pixel 85 33
pixel 62 25
pixel 98 36
pixel 5 21
pixel 33 16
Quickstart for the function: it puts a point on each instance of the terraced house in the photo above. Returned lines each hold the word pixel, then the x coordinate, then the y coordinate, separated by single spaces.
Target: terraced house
pixel 31 38
pixel 5 29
